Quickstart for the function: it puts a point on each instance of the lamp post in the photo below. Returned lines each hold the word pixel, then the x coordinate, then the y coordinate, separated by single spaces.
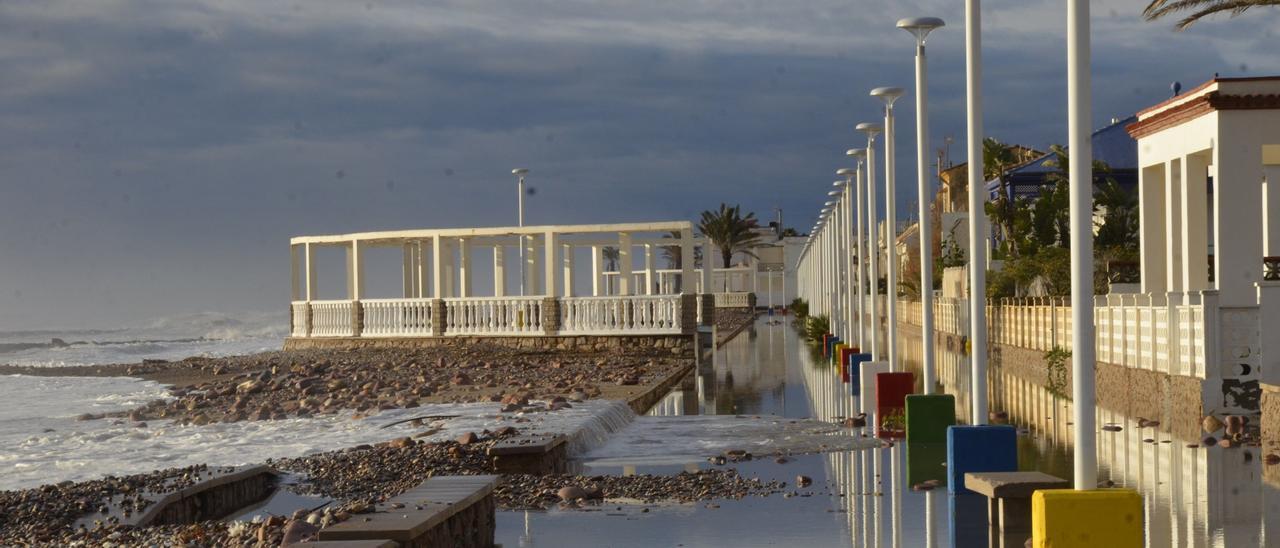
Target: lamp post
pixel 859 257
pixel 873 244
pixel 1079 112
pixel 829 231
pixel 977 214
pixel 852 307
pixel 888 95
pixel 520 173
pixel 840 320
pixel 920 27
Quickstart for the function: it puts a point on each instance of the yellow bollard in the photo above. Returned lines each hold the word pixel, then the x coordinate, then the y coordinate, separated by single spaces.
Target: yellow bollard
pixel 1067 518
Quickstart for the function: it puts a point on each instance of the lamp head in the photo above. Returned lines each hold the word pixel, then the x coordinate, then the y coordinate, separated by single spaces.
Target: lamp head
pixel 858 153
pixel 870 128
pixel 835 192
pixel 887 94
pixel 920 27
pixel 519 171
pixel 845 172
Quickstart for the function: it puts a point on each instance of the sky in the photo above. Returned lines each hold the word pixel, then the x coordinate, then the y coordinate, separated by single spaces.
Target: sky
pixel 156 155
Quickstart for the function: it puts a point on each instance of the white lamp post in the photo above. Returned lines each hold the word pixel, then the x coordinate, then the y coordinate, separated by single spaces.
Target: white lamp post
pixel 520 173
pixel 889 95
pixel 859 256
pixel 977 213
pixel 839 323
pixel 920 27
pixel 852 329
pixel 873 243
pixel 1079 112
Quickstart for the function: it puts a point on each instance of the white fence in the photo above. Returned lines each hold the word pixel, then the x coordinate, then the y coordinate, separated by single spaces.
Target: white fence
pixel 298 319
pixel 733 300
pixel 396 317
pixel 620 315
pixel 331 319
pixel 1167 333
pixel 493 316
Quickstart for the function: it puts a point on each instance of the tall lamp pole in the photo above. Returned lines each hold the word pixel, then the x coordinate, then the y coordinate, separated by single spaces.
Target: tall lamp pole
pixel 889 95
pixel 873 244
pixel 920 27
pixel 853 331
pixel 859 255
pixel 520 173
pixel 1079 113
pixel 977 213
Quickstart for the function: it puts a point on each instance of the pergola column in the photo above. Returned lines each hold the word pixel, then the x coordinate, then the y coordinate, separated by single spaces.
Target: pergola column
pixel 437 278
pixel 1194 237
pixel 706 266
pixel 567 250
pixel 311 287
pixel 624 263
pixel 686 262
pixel 499 270
pixel 447 269
pixel 597 270
pixel 295 268
pixel 355 271
pixel 421 267
pixel 648 269
pixel 1237 230
pixel 549 245
pixel 1151 199
pixel 464 267
pixel 1173 225
pixel 408 270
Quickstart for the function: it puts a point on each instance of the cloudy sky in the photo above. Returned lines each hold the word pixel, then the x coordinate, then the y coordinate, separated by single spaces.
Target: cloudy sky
pixel 156 155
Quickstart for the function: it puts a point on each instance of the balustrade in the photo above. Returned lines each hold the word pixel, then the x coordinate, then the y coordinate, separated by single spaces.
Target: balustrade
pixel 396 317
pixel 331 319
pixel 493 316
pixel 620 315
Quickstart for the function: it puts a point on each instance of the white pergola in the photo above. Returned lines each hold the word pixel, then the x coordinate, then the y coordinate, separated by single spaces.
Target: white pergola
pixel 442 296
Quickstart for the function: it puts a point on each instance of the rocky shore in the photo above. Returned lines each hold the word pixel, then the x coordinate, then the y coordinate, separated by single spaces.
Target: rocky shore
pixel 303 383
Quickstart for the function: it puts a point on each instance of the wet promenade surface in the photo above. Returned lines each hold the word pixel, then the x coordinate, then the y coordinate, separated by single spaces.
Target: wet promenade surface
pixel 746 397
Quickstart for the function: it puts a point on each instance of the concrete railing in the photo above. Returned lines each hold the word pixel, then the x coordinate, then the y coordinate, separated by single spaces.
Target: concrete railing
pixel 332 318
pixel 640 314
pixel 493 316
pixel 1166 333
pixel 733 300
pixel 396 317
pixel 298 318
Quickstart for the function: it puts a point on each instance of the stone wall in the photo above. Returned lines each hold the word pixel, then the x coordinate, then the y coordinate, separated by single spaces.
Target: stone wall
pixel 667 345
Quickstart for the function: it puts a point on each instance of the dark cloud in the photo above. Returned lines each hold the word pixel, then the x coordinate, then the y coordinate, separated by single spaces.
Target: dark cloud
pixel 156 156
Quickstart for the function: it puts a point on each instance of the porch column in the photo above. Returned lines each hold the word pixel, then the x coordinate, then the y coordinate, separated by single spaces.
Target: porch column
pixel 464 267
pixel 686 262
pixel 597 269
pixel 295 267
pixel 624 263
pixel 1195 223
pixel 1151 194
pixel 421 267
pixel 407 270
pixel 706 267
pixel 355 271
pixel 311 287
pixel 499 270
pixel 1271 205
pixel 437 262
pixel 648 269
pixel 549 245
pixel 530 268
pixel 1237 191
pixel 1173 225
pixel 567 250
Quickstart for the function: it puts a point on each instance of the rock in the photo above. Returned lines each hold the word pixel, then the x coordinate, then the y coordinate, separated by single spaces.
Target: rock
pixel 571 493
pixel 1209 441
pixel 510 408
pixel 468 438
pixel 249 387
pixel 1271 459
pixel 804 481
pixel 461 379
pixel 1226 442
pixel 401 443
pixel 297 531
pixel 86 417
pixel 855 422
pixel 1211 424
pixel 1112 428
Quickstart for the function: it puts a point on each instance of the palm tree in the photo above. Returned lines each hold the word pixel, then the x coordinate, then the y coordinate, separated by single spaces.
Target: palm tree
pixel 671 253
pixel 611 256
pixel 730 231
pixel 1200 8
pixel 997 157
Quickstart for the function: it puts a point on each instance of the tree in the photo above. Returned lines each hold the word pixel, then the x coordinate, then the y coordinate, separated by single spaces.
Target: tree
pixel 671 253
pixel 1200 9
pixel 730 231
pixel 997 158
pixel 1119 229
pixel 611 256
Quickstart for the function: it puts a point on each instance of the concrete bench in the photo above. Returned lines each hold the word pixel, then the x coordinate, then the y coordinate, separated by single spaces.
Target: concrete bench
pixel 1009 496
pixel 453 511
pixel 531 454
pixel 221 491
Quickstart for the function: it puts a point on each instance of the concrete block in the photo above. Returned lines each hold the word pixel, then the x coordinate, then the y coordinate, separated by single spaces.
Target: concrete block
pixel 985 448
pixel 891 403
pixel 855 368
pixel 929 416
pixel 867 372
pixel 967 520
pixel 1066 518
pixel 926 461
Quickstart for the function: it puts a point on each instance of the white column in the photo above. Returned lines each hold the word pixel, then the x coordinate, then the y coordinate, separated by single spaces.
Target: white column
pixel 890 237
pixel 648 269
pixel 530 265
pixel 624 264
pixel 1151 200
pixel 355 271
pixel 406 270
pixel 464 268
pixel 499 270
pixel 447 269
pixel 311 287
pixel 873 248
pixel 295 271
pixel 1079 113
pixel 421 258
pixel 549 245
pixel 567 250
pixel 1195 223
pixel 860 277
pixel 597 269
pixel 437 278
pixel 1173 225
pixel 708 263
pixel 686 262
pixel 536 266
pixel 1238 217
pixel 1271 205
pixel 925 224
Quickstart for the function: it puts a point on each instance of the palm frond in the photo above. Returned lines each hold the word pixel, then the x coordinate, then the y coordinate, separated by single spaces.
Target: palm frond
pixel 1200 9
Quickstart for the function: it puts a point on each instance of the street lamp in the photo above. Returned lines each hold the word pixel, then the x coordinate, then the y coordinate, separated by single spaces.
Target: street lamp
pixel 888 95
pixel 850 240
pixel 859 256
pixel 920 27
pixel 520 172
pixel 873 244
pixel 977 213
pixel 1079 112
